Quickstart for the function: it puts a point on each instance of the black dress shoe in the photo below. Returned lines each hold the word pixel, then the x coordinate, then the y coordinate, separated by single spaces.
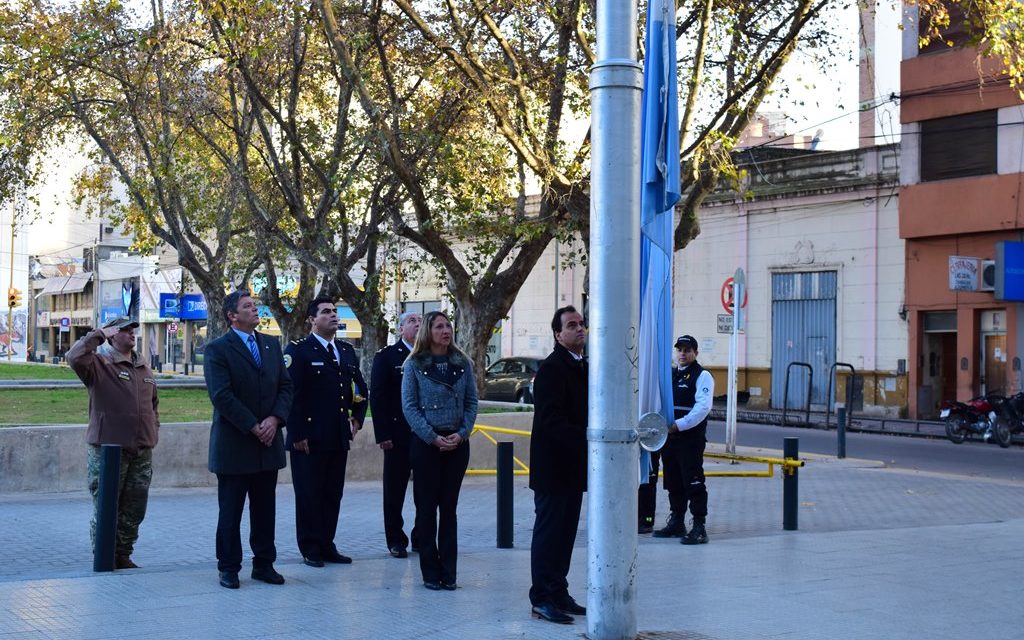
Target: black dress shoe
pixel 432 585
pixel 312 562
pixel 572 607
pixel 398 552
pixel 229 579
pixel 268 575
pixel 644 528
pixel 551 613
pixel 337 558
pixel 449 586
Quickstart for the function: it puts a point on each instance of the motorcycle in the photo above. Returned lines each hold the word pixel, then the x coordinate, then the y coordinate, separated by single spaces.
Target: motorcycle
pixel 1009 420
pixel 976 416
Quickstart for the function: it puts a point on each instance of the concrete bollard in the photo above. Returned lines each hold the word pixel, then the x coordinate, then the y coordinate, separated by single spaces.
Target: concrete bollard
pixel 106 508
pixel 504 491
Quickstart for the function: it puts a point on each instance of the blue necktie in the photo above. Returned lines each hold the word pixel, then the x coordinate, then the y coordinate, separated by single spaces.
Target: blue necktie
pixel 255 351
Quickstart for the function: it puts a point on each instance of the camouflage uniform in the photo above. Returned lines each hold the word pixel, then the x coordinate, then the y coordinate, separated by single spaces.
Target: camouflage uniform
pixel 132 495
pixel 122 411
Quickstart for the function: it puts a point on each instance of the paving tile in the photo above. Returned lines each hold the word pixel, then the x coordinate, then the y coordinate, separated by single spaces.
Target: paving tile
pixel 878 555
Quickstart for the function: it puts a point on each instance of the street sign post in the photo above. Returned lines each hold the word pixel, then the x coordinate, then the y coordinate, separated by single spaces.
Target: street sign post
pixel 737 289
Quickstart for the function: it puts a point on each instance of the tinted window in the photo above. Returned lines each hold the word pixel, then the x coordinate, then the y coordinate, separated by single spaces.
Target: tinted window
pixel 958 146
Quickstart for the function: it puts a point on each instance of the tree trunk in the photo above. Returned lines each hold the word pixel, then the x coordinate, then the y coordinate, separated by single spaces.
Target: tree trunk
pixel 215 323
pixel 476 326
pixel 365 304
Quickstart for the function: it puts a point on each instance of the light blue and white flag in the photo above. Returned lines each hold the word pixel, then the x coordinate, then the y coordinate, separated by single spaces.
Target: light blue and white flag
pixel 660 184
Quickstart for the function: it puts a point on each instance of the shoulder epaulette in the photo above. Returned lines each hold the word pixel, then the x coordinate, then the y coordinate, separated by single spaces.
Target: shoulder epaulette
pixel 297 341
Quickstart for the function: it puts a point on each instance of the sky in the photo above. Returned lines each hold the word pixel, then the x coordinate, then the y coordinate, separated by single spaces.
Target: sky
pixel 830 100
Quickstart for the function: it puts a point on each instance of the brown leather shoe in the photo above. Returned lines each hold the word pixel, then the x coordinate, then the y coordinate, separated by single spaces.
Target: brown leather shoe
pixel 124 562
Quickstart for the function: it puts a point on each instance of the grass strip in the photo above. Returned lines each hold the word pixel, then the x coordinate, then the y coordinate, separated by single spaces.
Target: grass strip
pixel 29 371
pixel 71 406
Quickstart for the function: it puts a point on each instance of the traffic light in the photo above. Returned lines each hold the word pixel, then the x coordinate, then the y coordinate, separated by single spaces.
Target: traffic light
pixel 13 298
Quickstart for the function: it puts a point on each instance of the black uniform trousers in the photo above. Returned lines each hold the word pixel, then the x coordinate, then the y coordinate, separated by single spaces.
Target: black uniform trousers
pixel 319 481
pixel 436 492
pixel 554 534
pixel 683 459
pixel 232 490
pixel 397 470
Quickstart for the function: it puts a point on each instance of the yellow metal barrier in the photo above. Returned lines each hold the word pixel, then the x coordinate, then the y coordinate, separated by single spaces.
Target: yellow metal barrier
pixel 486 432
pixel 788 466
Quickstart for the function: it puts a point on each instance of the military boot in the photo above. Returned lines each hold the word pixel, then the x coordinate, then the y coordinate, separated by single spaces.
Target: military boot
pixel 697 535
pixel 124 562
pixel 674 528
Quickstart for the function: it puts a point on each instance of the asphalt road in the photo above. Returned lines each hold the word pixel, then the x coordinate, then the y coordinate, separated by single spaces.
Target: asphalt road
pixel 972 459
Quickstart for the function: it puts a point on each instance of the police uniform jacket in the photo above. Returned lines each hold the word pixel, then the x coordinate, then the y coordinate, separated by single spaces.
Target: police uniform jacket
pixel 558 445
pixel 326 394
pixel 389 421
pixel 243 394
pixel 684 391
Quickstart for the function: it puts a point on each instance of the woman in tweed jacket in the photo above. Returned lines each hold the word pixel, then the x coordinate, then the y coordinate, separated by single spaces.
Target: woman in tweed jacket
pixel 439 401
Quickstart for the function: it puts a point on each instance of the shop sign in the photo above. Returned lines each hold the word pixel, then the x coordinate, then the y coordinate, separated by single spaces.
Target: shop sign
pixel 963 273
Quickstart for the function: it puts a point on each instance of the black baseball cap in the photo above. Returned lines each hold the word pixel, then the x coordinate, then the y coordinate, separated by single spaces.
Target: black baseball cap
pixel 121 323
pixel 686 341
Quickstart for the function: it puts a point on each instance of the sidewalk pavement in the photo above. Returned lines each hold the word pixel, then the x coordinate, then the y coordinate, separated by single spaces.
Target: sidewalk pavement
pixel 879 554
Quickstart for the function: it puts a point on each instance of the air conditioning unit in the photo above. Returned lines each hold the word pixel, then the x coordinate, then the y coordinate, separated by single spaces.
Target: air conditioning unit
pixel 988 275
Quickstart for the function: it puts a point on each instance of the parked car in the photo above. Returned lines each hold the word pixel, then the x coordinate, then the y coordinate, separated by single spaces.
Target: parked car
pixel 511 380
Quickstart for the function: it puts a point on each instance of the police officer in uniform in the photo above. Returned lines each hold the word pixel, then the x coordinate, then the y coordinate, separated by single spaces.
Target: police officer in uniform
pixel 391 430
pixel 327 411
pixel 683 454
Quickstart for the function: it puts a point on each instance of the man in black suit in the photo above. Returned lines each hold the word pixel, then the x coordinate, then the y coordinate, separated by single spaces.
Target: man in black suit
pixel 558 466
pixel 328 410
pixel 391 430
pixel 251 395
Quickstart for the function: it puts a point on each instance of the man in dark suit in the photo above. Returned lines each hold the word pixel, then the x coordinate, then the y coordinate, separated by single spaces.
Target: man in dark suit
pixel 328 410
pixel 391 430
pixel 251 395
pixel 558 466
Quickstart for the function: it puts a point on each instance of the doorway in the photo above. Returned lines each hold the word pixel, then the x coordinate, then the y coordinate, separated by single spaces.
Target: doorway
pixel 993 352
pixel 803 330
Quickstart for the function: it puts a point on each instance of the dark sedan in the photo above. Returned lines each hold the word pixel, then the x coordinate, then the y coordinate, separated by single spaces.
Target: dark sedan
pixel 511 379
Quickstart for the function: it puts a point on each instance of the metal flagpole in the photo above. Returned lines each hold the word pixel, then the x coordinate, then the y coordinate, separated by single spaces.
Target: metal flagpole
pixel 615 89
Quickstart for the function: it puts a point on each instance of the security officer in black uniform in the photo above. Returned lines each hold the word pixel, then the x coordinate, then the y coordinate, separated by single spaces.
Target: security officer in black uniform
pixel 328 409
pixel 391 430
pixel 693 389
